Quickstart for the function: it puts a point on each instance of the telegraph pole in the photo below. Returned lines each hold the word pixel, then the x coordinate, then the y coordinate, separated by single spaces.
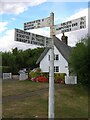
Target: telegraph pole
pixel 51 72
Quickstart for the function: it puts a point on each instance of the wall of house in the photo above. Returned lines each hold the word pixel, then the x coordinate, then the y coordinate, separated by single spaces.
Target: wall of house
pixel 62 63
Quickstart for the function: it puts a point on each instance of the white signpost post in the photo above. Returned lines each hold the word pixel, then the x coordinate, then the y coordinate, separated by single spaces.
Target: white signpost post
pixel 35 39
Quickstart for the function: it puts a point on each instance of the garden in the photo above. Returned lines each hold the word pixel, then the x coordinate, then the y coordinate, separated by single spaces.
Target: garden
pixel 37 76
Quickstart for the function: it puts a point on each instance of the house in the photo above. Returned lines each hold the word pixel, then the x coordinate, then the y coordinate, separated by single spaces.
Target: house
pixel 61 57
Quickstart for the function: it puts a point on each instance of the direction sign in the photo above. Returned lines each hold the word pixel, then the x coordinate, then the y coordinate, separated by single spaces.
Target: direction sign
pixel 31 38
pixel 72 25
pixel 37 24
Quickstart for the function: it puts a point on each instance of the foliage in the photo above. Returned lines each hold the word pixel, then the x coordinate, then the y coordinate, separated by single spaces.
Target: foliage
pixel 34 73
pixel 6 69
pixel 0 69
pixel 37 76
pixel 58 77
pixel 45 74
pixel 79 60
pixel 18 59
pixel 41 79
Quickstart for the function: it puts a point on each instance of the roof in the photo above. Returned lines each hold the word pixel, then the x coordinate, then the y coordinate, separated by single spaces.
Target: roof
pixel 64 49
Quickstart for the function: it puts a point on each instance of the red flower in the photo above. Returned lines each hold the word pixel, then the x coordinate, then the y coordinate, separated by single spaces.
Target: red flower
pixel 41 79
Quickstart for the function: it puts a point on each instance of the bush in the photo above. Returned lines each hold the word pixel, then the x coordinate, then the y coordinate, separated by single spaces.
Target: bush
pixel 41 79
pixel 59 77
pixel 60 81
pixel 34 73
pixel 37 75
pixel 34 79
pixel 79 60
pixel 6 69
pixel 46 74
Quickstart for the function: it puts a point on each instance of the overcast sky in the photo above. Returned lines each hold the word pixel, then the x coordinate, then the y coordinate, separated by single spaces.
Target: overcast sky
pixel 14 14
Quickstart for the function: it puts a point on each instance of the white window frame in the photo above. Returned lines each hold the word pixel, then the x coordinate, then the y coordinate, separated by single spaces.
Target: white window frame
pixel 56 69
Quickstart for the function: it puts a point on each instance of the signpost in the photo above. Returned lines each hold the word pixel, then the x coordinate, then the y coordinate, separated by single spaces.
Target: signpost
pixel 27 37
pixel 51 73
pixel 31 38
pixel 45 22
pixel 35 39
pixel 72 25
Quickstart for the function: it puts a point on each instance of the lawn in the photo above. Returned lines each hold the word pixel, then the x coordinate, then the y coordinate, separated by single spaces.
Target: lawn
pixel 26 99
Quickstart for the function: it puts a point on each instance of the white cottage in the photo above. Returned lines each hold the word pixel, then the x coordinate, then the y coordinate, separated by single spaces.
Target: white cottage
pixel 61 52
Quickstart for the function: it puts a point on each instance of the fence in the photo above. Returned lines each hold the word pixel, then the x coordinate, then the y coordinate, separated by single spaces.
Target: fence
pixel 23 76
pixel 7 75
pixel 70 79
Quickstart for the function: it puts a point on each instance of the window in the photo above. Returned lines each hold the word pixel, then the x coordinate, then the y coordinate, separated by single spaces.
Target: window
pixel 56 68
pixel 56 57
pixel 49 57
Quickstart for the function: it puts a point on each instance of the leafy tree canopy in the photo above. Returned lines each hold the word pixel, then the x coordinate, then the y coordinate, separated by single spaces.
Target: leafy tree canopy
pixel 18 59
pixel 79 60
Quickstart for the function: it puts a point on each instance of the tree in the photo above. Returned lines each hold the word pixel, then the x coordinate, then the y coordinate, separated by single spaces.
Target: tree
pixel 79 60
pixel 18 59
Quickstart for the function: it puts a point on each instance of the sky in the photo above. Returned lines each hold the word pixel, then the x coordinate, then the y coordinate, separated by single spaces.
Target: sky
pixel 15 14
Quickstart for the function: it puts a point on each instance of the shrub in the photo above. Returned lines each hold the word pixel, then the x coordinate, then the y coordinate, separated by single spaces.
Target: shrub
pixel 6 69
pixel 59 80
pixel 62 75
pixel 46 74
pixel 34 79
pixel 41 79
pixel 35 73
pixel 59 77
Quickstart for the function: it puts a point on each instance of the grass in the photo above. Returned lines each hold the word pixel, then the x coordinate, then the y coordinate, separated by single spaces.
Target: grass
pixel 71 101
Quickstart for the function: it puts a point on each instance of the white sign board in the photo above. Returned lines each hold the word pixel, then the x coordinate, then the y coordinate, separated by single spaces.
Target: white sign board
pixel 72 25
pixel 31 38
pixel 37 24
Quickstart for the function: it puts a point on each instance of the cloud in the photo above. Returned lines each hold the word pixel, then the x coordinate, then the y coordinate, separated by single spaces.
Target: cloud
pixel 3 26
pixel 7 41
pixel 17 7
pixel 75 36
pixel 41 31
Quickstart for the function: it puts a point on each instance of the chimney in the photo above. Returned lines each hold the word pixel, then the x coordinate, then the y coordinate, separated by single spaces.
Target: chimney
pixel 64 39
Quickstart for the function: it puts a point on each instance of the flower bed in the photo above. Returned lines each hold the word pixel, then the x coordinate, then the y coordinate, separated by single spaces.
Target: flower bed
pixel 41 79
pixel 59 81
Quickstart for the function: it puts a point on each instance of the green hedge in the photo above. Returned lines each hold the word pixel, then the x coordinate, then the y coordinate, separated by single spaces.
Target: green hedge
pixel 6 69
pixel 1 69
